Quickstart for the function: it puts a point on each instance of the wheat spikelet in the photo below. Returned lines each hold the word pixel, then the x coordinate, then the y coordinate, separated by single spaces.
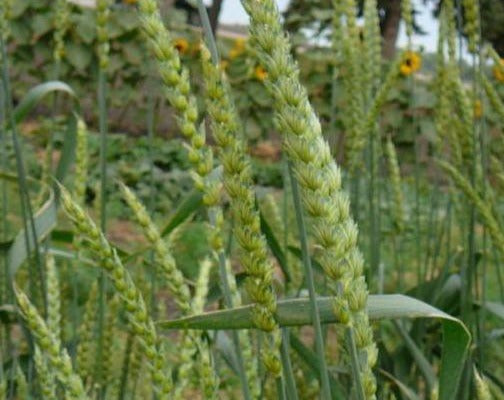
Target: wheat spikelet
pixel 395 180
pixel 86 346
pixel 169 270
pixel 102 17
pixel 53 298
pixel 372 45
pixel 45 377
pixel 472 24
pixel 481 206
pixel 135 307
pixel 61 24
pixel 5 16
pixel 22 389
pixel 494 98
pixel 239 187
pixel 81 163
pixel 482 388
pixel 319 178
pixel 110 337
pixel 58 359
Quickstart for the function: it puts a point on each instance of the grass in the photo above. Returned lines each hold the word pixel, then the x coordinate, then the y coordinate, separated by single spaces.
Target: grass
pixel 300 301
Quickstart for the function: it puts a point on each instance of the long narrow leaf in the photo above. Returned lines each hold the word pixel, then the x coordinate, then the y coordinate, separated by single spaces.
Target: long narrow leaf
pixel 421 361
pixel 296 312
pixel 188 206
pixel 225 346
pixel 405 390
pixel 67 152
pixel 45 221
pixel 45 217
pixel 497 309
pixel 36 94
pixel 456 339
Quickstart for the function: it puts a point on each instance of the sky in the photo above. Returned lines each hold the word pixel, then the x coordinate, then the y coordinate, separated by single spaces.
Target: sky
pixel 233 13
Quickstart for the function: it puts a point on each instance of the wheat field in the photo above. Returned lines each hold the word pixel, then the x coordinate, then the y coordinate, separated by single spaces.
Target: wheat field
pixel 370 269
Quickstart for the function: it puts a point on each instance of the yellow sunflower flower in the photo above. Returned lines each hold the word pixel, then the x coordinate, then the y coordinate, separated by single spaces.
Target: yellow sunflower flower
pixel 260 73
pixel 182 45
pixel 478 109
pixel 498 70
pixel 411 63
pixel 238 48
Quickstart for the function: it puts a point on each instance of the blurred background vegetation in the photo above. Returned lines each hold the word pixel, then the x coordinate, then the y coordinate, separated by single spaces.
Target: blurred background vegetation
pixel 133 80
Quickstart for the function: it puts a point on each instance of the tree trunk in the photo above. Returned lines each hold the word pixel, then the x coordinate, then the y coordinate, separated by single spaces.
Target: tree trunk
pixel 213 14
pixel 390 27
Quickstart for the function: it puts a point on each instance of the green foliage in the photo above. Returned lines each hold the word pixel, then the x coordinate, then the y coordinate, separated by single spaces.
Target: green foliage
pixel 492 17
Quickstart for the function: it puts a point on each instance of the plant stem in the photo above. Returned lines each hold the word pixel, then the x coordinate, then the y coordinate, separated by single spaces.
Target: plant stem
pixel 333 133
pixel 470 269
pixel 417 211
pixel 5 296
pixel 355 182
pixel 500 280
pixel 285 215
pixel 483 154
pixel 438 242
pixel 374 240
pixel 431 231
pixel 228 302
pixel 480 313
pixel 354 363
pixel 290 383
pixel 102 120
pixel 303 238
pixel 125 366
pixel 282 395
pixel 207 29
pixel 152 190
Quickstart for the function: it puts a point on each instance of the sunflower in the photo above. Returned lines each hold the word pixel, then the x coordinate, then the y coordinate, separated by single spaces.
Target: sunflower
pixel 238 48
pixel 478 109
pixel 411 62
pixel 498 70
pixel 182 45
pixel 260 73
